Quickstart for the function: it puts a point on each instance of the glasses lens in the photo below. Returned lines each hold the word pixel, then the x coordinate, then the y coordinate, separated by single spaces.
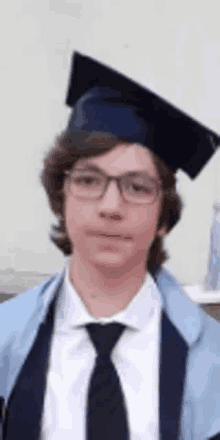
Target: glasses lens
pixel 87 184
pixel 139 189
pixel 136 189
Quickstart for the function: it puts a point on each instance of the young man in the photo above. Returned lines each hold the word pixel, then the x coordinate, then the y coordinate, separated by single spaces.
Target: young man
pixel 112 348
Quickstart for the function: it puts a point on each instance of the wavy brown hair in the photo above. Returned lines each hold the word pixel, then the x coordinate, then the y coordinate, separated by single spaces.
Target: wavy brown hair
pixel 64 154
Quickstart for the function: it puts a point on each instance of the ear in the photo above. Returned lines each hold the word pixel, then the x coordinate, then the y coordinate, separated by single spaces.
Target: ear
pixel 162 232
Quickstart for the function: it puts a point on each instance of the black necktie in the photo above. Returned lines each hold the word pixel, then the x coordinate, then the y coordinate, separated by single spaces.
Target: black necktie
pixel 106 411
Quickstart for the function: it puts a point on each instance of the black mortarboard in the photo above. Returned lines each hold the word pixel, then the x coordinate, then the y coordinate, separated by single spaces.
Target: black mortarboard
pixel 105 100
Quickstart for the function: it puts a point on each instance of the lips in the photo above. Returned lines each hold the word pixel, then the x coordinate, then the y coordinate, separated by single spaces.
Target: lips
pixel 107 235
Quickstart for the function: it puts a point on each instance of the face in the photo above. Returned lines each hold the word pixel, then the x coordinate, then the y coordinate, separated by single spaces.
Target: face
pixel 113 215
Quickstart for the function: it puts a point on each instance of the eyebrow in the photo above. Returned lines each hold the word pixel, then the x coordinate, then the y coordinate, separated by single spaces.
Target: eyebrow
pixel 96 168
pixel 89 167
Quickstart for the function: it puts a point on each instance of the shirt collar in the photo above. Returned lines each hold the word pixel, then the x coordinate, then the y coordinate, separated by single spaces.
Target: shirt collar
pixel 72 313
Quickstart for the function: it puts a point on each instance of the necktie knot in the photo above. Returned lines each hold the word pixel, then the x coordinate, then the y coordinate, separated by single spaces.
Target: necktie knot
pixel 105 337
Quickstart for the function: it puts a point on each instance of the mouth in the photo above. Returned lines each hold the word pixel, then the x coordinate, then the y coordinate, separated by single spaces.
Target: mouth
pixel 111 236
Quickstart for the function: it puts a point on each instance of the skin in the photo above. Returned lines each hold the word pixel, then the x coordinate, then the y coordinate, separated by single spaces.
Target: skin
pixel 107 274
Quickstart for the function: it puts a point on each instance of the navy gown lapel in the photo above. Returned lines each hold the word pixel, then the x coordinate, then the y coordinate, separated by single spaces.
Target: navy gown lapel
pixel 173 355
pixel 25 405
pixel 2 415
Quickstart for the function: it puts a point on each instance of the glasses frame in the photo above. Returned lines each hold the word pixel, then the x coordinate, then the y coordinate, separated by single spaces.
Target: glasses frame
pixel 109 178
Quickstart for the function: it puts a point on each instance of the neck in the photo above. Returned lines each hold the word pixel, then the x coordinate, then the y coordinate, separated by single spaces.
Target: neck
pixel 107 291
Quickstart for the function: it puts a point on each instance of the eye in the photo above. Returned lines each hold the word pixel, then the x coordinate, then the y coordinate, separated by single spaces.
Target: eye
pixel 145 189
pixel 86 180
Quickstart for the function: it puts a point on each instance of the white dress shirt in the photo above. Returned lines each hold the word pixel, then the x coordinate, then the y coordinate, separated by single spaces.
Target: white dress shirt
pixel 72 359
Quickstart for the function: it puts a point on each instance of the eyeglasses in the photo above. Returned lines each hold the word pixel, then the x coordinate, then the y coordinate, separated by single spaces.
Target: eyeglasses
pixel 135 187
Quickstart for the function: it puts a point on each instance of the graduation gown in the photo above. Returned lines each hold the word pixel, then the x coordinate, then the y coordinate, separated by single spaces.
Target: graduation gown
pixel 189 363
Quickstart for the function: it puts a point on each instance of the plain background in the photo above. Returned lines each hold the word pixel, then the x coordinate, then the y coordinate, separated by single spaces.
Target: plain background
pixel 170 46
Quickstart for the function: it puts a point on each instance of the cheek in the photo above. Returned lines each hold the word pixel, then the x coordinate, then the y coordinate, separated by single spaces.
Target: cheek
pixel 77 215
pixel 144 225
pixel 145 219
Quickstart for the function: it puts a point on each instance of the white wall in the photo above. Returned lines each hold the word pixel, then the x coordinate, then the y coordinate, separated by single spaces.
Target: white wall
pixel 171 46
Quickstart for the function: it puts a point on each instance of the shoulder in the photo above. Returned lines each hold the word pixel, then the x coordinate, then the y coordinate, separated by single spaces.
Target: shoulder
pixel 15 312
pixel 187 315
pixel 167 282
pixel 27 295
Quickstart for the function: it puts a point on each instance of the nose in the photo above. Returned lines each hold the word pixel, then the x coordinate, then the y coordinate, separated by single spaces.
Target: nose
pixel 112 198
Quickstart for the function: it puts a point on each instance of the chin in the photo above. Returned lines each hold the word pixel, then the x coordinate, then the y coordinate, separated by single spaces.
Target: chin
pixel 108 259
pixel 112 261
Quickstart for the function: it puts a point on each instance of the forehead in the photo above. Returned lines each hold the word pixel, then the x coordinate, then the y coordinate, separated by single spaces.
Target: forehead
pixel 123 158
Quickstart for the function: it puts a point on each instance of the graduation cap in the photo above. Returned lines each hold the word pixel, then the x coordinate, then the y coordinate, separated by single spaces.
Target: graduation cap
pixel 105 100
